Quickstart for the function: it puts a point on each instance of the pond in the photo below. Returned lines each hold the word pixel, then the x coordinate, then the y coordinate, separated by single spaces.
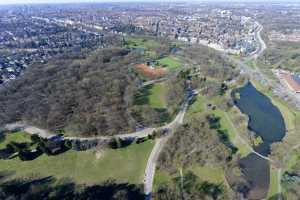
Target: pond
pixel 266 121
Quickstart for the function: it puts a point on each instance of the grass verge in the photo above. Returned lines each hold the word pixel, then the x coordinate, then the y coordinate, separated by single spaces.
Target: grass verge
pixel 157 97
pixel 89 167
pixel 170 62
pixel 211 174
pixel 18 137
pixel 273 187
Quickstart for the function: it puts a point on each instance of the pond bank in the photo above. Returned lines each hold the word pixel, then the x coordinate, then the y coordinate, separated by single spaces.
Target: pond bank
pixel 266 121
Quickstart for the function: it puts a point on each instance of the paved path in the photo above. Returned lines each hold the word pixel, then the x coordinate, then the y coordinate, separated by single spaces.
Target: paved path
pixel 151 166
pixel 160 142
pixel 154 81
pixel 47 134
pixel 135 135
pixel 159 145
pixel 279 173
pixel 238 137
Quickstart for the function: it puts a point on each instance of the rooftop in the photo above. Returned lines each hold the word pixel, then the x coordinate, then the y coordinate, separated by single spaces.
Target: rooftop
pixel 291 81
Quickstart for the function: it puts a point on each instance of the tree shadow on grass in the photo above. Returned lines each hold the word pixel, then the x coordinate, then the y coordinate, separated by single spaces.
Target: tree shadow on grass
pixel 163 115
pixel 48 188
pixel 223 136
pixel 142 96
pixel 276 197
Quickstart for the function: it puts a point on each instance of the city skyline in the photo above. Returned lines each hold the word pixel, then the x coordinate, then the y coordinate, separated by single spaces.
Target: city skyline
pixel 3 2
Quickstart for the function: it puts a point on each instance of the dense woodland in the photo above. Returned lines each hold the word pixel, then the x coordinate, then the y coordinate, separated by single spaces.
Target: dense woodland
pixel 86 94
pixel 195 143
pixel 210 63
pixel 282 55
pixel 81 95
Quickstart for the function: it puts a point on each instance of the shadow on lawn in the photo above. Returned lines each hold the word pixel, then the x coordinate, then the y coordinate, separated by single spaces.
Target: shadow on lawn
pixel 49 188
pixel 27 151
pixel 142 96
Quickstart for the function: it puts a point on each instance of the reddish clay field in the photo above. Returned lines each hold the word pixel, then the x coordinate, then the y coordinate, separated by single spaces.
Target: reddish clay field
pixel 149 72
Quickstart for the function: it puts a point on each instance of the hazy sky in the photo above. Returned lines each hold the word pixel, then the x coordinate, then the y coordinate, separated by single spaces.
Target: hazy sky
pixel 69 1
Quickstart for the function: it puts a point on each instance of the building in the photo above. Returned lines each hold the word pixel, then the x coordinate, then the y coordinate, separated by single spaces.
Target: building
pixel 292 81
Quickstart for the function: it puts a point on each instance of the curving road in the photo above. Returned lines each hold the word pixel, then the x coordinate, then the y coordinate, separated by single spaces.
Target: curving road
pixel 159 144
pixel 47 134
pixel 262 45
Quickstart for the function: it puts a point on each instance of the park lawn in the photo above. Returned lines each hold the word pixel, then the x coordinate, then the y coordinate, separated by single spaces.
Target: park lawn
pixel 157 97
pixel 197 106
pixel 211 174
pixel 170 62
pixel 250 63
pixel 124 165
pixel 273 188
pixel 147 44
pixel 293 160
pixel 18 137
pixel 161 178
pixel 207 173
pixel 227 124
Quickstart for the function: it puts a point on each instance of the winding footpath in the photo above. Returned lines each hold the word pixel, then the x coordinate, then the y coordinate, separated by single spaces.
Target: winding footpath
pixel 159 145
pixel 238 137
pixel 160 142
pixel 135 135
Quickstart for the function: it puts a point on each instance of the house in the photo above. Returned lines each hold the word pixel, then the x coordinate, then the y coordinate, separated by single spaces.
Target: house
pixel 292 81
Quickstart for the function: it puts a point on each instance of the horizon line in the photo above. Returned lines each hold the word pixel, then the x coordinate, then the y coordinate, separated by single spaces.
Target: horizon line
pixel 144 1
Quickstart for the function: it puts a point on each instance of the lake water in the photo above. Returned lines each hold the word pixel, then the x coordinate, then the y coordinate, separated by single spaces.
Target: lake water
pixel 266 121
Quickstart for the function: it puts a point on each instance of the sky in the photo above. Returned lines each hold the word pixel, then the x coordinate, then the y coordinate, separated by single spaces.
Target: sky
pixel 77 1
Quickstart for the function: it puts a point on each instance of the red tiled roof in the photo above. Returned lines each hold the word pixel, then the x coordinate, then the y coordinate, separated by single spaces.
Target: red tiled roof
pixel 290 81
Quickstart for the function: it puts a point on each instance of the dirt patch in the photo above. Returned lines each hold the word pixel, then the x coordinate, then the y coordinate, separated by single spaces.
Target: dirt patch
pixel 99 154
pixel 151 72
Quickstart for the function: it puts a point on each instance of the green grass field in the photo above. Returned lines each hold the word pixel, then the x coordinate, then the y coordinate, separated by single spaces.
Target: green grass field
pixel 124 165
pixel 157 97
pixel 211 174
pixel 170 62
pixel 197 106
pixel 153 95
pixel 160 178
pixel 147 44
pixel 294 159
pixel 225 121
pixel 273 188
pixel 227 124
pixel 250 63
pixel 18 137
